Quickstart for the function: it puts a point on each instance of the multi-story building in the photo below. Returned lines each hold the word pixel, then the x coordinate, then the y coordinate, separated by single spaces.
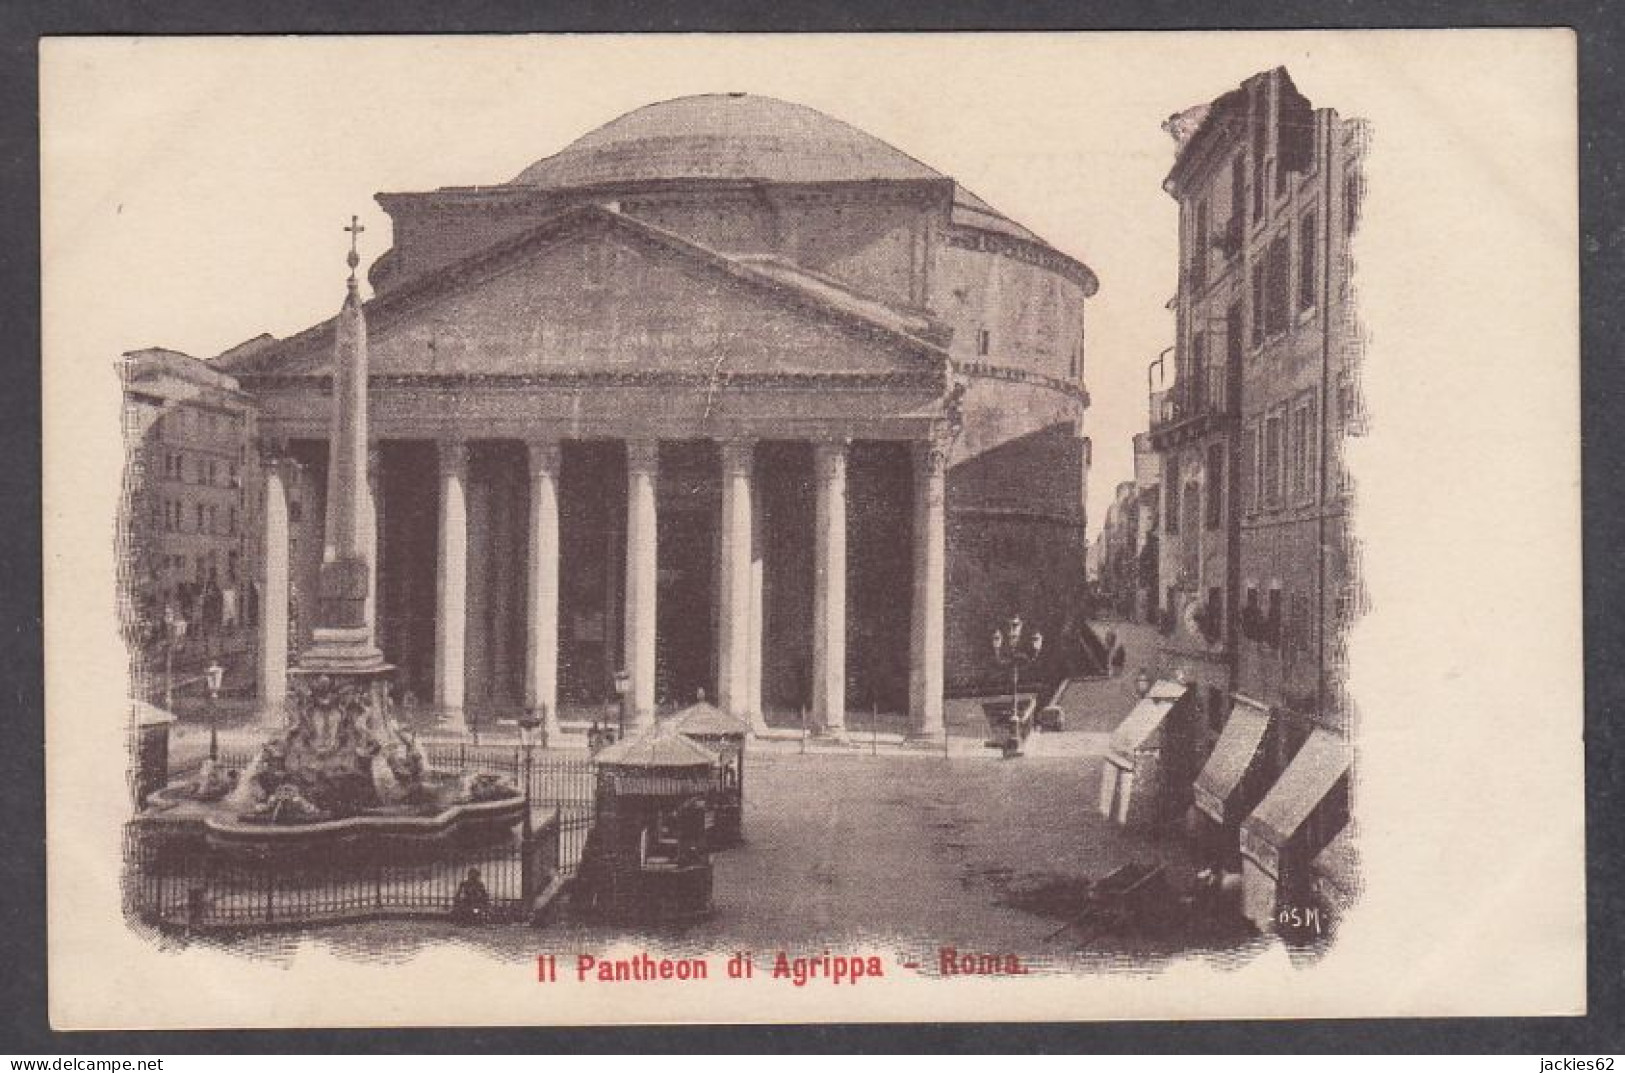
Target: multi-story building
pixel 1256 578
pixel 189 508
pixel 1148 515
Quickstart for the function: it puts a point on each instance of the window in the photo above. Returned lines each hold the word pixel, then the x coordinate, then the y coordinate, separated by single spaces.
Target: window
pixel 1278 293
pixel 984 341
pixel 231 521
pixel 1215 485
pixel 1299 630
pixel 1272 462
pixel 1306 261
pixel 1170 491
pixel 1199 247
pixel 1196 390
pixel 1212 620
pixel 200 517
pixel 1253 445
pixel 1192 505
pixel 1311 450
pixel 1238 201
pixel 1272 620
pixel 1258 303
pixel 1260 132
pixel 1298 453
pixel 296 512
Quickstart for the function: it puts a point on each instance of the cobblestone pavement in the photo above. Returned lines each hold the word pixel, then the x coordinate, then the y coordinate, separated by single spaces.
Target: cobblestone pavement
pixel 904 852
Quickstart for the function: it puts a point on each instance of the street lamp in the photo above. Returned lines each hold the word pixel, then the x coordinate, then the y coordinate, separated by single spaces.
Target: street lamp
pixel 623 683
pixel 527 741
pixel 214 676
pixel 1014 646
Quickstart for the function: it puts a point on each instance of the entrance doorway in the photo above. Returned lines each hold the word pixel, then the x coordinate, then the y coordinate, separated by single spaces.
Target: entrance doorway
pixel 686 604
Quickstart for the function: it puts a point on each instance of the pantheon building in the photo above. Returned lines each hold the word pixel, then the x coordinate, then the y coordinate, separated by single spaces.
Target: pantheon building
pixel 725 395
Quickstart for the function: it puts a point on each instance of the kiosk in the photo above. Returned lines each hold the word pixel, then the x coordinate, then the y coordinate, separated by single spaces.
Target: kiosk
pixel 647 857
pixel 724 735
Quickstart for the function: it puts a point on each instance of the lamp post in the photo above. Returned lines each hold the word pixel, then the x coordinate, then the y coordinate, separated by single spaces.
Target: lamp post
pixel 1014 646
pixel 623 683
pixel 527 742
pixel 214 675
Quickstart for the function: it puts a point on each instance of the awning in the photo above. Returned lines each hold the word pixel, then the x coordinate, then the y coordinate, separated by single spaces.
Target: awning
pixel 1234 754
pixel 1145 720
pixel 148 715
pixel 1304 784
pixel 1337 869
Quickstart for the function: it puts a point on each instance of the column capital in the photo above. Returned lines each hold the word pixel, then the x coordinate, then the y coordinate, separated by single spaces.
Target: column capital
pixel 931 456
pixel 272 450
pixel 453 456
pixel 737 454
pixel 829 458
pixel 545 454
pixel 642 456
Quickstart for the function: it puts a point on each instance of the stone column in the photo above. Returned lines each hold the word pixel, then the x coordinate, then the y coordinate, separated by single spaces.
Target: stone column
pixel 642 558
pixel 734 583
pixel 542 603
pixel 754 623
pixel 451 582
pixel 274 596
pixel 930 589
pixel 829 593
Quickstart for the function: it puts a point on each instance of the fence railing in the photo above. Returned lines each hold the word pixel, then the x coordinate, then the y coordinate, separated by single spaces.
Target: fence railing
pixel 186 885
pixel 181 883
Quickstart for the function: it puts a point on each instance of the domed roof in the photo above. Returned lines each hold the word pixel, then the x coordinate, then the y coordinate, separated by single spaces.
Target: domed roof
pixel 742 136
pixel 723 136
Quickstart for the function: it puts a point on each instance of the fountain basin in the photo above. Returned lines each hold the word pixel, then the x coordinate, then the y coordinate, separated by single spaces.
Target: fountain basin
pixel 393 824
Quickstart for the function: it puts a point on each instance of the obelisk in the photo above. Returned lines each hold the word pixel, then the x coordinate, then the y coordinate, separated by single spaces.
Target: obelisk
pixel 344 649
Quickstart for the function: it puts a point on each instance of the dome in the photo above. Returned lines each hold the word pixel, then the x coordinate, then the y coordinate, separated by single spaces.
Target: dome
pixel 742 136
pixel 723 136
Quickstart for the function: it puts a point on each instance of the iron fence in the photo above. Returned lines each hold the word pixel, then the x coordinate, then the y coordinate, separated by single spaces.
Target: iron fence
pixel 181 883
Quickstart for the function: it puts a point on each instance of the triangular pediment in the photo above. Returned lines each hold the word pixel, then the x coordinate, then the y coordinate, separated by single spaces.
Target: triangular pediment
pixel 600 294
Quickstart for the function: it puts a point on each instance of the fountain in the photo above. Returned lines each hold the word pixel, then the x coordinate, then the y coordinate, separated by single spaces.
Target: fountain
pixel 343 772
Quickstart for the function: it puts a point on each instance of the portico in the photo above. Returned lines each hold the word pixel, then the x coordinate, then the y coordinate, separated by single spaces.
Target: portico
pixel 747 500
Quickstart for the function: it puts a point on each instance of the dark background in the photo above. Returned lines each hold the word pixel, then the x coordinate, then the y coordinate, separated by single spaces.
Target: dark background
pixel 1600 25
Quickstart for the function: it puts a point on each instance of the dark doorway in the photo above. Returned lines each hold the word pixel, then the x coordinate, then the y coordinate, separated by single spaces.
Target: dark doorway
pixel 686 607
pixel 785 499
pixel 880 575
pixel 408 549
pixel 498 500
pixel 592 550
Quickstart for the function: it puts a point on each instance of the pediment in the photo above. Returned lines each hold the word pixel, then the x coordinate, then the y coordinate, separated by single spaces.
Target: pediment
pixel 609 296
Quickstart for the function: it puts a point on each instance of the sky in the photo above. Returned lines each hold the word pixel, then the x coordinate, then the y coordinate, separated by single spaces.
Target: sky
pixel 204 182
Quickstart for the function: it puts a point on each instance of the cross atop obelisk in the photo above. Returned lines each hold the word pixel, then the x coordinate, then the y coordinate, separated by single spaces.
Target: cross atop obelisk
pixel 355 229
pixel 344 635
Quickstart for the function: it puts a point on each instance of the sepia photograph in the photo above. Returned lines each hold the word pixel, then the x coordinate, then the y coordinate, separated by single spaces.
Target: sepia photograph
pixel 821 528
